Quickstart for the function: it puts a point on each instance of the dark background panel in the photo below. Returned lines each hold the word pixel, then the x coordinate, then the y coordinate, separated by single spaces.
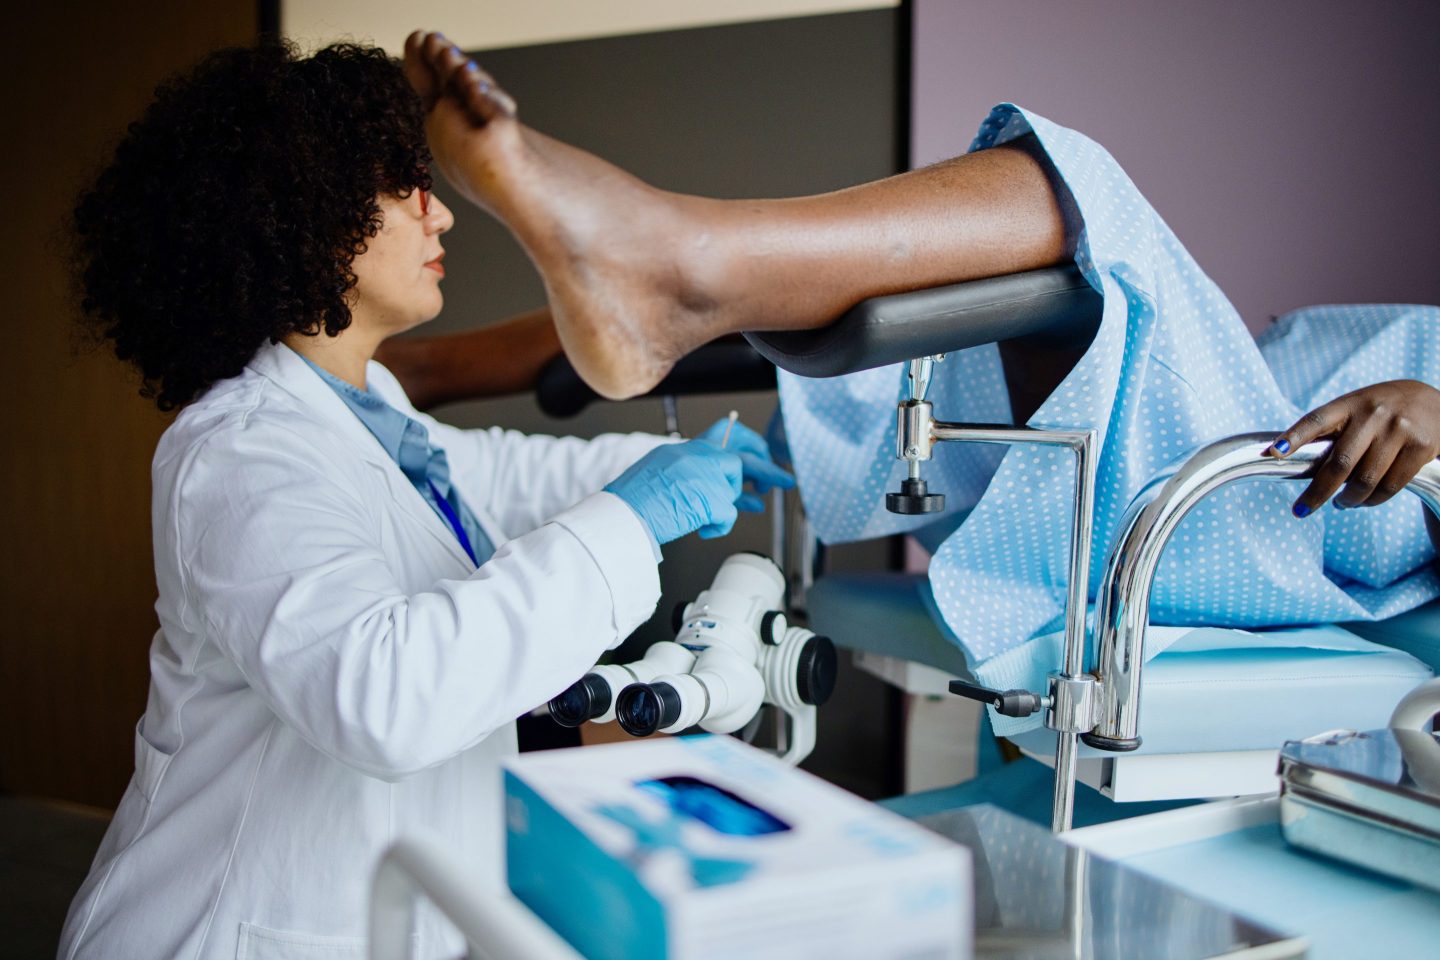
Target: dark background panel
pixel 764 109
pixel 770 109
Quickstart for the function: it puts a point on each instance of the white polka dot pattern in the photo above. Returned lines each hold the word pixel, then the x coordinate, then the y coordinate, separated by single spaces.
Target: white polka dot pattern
pixel 1171 368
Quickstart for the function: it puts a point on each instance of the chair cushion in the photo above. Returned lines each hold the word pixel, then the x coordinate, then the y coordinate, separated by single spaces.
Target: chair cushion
pixel 1213 689
pixel 884 613
pixel 1416 632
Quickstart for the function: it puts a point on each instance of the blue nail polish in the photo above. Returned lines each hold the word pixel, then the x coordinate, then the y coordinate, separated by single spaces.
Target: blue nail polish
pixel 1282 445
pixel 1300 510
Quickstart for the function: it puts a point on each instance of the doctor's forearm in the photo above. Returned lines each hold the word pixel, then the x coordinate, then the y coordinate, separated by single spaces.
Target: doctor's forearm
pixel 495 360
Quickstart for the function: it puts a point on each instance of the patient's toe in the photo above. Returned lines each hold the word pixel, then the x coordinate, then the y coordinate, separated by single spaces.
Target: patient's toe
pixel 437 68
pixel 478 93
pixel 418 69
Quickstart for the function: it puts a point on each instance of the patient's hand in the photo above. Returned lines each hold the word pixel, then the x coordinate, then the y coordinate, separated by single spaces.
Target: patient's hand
pixel 1383 434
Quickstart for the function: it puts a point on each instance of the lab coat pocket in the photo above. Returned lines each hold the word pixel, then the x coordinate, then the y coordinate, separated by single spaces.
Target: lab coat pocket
pixel 262 943
pixel 150 763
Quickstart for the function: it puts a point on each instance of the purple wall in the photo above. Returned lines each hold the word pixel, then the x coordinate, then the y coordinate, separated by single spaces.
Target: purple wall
pixel 1291 144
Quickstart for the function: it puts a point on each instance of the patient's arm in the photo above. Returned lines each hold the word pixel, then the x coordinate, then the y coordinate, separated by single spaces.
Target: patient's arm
pixel 1383 434
pixel 502 358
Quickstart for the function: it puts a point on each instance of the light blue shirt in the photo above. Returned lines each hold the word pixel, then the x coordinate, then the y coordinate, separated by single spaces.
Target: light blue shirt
pixel 424 464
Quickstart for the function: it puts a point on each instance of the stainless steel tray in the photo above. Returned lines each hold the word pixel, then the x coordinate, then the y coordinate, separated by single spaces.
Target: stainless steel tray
pixel 1039 898
pixel 1371 799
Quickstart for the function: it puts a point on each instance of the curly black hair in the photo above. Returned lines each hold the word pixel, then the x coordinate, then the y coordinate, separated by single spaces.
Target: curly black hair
pixel 234 208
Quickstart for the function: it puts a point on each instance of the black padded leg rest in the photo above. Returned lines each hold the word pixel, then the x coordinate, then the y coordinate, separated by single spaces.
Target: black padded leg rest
pixel 729 365
pixel 1053 307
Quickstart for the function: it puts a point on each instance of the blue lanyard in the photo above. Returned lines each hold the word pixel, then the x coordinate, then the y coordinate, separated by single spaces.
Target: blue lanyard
pixel 454 522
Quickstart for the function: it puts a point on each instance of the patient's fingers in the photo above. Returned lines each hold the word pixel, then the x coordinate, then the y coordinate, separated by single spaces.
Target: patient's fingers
pixel 1384 435
pixel 1401 472
pixel 1370 470
pixel 1321 422
pixel 1345 452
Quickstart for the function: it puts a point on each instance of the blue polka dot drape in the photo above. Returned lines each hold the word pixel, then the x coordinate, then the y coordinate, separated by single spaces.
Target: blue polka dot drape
pixel 1172 367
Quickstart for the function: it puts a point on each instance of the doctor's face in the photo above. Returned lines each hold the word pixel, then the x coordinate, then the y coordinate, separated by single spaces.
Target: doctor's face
pixel 397 278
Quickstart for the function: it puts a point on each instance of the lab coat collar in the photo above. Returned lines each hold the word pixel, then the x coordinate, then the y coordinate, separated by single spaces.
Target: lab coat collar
pixel 284 367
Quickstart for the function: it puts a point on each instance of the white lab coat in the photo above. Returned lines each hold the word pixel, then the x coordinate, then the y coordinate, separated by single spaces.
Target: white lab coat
pixel 332 672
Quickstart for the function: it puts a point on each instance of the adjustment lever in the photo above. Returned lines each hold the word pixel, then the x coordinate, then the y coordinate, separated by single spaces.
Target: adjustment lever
pixel 1010 703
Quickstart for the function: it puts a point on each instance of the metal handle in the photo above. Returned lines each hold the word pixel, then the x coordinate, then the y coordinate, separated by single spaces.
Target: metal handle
pixel 1010 703
pixel 1070 700
pixel 1417 708
pixel 1123 606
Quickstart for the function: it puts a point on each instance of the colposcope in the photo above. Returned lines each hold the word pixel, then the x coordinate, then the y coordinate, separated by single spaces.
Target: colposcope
pixel 734 651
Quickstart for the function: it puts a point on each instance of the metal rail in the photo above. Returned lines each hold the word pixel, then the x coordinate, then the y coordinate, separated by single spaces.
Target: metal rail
pixel 1070 699
pixel 1123 604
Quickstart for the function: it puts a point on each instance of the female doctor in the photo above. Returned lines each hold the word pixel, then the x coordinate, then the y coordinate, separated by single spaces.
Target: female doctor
pixel 355 600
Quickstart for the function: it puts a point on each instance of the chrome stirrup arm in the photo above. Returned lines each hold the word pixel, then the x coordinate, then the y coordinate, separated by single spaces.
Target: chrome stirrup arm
pixel 1123 606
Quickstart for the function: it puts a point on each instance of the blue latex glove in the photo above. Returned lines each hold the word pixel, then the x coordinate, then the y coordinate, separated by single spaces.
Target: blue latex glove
pixel 696 486
pixel 778 443
pixel 759 467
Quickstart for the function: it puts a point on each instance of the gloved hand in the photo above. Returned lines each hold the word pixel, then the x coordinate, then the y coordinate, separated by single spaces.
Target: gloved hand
pixel 696 486
pixel 777 441
pixel 759 466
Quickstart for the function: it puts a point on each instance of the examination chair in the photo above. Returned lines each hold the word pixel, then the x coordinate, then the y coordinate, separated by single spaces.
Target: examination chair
pixel 1214 719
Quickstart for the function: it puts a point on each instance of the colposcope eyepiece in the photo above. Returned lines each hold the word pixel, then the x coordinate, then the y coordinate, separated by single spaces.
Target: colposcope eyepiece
pixel 816 671
pixel 586 699
pixel 644 708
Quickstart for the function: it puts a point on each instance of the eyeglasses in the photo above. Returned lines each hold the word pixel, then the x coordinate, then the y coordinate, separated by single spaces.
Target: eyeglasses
pixel 424 202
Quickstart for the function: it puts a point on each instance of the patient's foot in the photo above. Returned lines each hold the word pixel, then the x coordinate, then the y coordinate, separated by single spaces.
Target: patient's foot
pixel 610 249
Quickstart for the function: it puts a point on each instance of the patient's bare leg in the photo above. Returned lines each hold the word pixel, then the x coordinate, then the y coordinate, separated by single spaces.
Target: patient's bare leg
pixel 637 277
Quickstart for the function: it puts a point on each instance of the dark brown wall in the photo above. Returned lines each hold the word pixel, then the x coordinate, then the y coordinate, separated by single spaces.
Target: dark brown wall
pixel 76 574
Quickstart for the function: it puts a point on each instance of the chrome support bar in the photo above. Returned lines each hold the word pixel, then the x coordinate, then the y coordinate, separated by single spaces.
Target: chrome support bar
pixel 1071 695
pixel 919 373
pixel 914 440
pixel 1123 604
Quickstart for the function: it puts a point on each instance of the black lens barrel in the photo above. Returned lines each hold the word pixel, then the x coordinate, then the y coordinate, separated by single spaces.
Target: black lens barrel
pixel 816 671
pixel 644 708
pixel 586 699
